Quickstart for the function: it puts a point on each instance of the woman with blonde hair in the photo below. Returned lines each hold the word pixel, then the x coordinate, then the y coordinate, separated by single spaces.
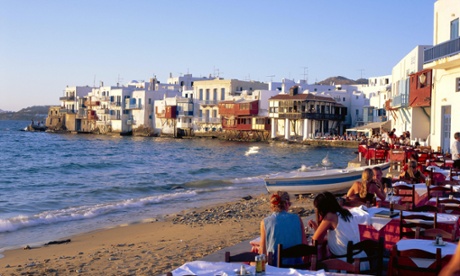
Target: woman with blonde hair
pixel 412 174
pixel 281 227
pixel 366 189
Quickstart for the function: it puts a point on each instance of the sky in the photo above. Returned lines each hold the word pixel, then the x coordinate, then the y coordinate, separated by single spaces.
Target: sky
pixel 47 45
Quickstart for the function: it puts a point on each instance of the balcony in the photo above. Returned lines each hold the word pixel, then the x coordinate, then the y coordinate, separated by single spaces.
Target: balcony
pixel 184 113
pixel 208 102
pixel 400 101
pixel 102 111
pixel 133 106
pixel 67 111
pixel 115 103
pixel 442 50
pixel 207 120
pixel 70 98
pixel 311 116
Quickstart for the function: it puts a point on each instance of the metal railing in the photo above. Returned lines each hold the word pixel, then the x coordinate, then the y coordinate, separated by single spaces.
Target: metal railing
pixel 445 49
pixel 400 101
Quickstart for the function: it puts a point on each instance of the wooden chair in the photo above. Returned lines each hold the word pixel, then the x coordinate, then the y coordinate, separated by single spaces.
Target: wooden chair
pixel 426 208
pixel 380 156
pixel 450 209
pixel 422 220
pixel 438 191
pixel 298 251
pixel 401 262
pixel 432 233
pixel 399 207
pixel 374 251
pixel 244 257
pixel 453 201
pixel 407 194
pixel 339 265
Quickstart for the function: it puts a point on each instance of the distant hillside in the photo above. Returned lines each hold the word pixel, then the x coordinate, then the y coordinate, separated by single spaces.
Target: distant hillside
pixel 342 80
pixel 36 113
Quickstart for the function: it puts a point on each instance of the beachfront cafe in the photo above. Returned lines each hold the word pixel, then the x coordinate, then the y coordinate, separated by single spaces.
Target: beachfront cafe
pixel 414 231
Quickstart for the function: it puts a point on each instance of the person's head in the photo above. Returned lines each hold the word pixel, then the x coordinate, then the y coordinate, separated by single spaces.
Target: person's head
pixel 327 203
pixel 413 165
pixel 366 177
pixel 279 201
pixel 414 156
pixel 457 135
pixel 377 171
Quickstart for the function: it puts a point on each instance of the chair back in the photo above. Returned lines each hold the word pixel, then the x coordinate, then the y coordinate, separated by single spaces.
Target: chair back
pixel 438 191
pixel 426 208
pixel 432 233
pixel 450 209
pixel 339 265
pixel 241 257
pixel 409 222
pixel 401 262
pixel 406 193
pixel 297 251
pixel 374 251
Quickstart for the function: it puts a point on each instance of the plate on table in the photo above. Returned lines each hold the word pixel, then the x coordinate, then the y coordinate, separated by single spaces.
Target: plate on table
pixel 439 244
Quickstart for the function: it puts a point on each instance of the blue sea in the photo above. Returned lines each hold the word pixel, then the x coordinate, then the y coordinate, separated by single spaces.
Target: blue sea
pixel 57 185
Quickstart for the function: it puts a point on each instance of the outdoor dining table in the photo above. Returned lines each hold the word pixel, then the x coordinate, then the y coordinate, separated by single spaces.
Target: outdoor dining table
pixel 447 248
pixel 203 268
pixel 373 227
pixel 421 192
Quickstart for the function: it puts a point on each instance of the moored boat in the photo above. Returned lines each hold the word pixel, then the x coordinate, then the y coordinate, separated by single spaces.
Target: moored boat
pixel 316 181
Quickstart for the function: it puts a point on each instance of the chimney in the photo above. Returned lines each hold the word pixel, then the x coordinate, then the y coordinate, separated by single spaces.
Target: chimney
pixel 294 90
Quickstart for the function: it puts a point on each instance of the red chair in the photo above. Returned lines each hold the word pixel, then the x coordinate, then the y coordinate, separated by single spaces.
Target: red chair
pixel 401 262
pixel 380 156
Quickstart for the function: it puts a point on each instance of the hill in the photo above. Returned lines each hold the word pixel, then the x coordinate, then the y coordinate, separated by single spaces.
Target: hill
pixel 36 113
pixel 342 80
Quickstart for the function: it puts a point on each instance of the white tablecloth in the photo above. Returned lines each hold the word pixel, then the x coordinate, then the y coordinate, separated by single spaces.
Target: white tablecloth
pixel 426 245
pixel 221 268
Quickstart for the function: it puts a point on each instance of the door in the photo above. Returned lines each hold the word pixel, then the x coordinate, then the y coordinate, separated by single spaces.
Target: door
pixel 445 131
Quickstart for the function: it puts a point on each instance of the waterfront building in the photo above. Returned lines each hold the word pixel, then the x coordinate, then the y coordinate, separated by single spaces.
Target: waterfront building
pixel 404 107
pixel 210 92
pixel 377 91
pixel 305 115
pixel 444 61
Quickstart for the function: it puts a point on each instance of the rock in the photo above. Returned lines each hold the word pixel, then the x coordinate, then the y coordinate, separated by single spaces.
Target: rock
pixel 27 247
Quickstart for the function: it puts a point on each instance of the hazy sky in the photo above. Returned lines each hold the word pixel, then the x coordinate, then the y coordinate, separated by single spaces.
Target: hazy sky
pixel 48 44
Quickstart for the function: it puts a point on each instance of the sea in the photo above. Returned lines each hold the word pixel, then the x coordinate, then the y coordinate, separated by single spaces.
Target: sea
pixel 53 186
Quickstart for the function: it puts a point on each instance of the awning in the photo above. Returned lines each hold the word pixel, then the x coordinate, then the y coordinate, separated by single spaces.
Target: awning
pixel 376 125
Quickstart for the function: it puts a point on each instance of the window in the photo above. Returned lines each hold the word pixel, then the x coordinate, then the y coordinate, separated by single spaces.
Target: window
pixel 357 112
pixel 201 94
pixel 150 101
pixel 214 94
pixel 207 95
pixel 343 98
pixel 357 96
pixel 454 29
pixel 222 94
pixel 457 85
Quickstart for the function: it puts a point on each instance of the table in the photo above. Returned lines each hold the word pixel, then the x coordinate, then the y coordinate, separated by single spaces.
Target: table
pixel 421 192
pixel 426 245
pixel 372 227
pixel 203 268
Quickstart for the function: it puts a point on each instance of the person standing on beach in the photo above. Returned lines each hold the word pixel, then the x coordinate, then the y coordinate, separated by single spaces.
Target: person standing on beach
pixel 455 150
pixel 281 227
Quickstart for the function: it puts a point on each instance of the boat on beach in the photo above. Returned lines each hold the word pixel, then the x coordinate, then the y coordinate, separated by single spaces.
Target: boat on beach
pixel 317 181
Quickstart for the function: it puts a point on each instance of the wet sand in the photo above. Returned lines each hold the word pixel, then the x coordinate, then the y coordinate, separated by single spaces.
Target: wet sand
pixel 150 247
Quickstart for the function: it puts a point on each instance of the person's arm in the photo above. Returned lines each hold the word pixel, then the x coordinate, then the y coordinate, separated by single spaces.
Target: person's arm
pixel 263 246
pixel 352 191
pixel 374 189
pixel 326 224
pixel 453 266
pixel 302 230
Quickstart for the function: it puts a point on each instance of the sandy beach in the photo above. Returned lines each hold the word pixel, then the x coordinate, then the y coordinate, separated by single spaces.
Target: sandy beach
pixel 151 247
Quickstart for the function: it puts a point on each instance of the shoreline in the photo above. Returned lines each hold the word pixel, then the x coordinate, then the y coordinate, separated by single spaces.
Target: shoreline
pixel 150 247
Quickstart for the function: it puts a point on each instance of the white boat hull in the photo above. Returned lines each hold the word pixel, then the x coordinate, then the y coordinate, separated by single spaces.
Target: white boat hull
pixel 332 180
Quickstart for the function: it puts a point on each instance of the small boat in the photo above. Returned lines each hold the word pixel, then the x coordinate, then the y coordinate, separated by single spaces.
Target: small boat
pixel 33 127
pixel 316 181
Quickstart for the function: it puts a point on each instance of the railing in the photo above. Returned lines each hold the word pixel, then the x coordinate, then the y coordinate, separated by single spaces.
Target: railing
pixel 65 110
pixel 448 48
pixel 71 98
pixel 207 120
pixel 133 106
pixel 81 114
pixel 115 103
pixel 102 111
pixel 208 102
pixel 103 123
pixel 185 113
pixel 312 116
pixel 400 101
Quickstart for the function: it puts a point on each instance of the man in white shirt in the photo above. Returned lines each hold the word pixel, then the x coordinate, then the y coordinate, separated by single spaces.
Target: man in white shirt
pixel 455 150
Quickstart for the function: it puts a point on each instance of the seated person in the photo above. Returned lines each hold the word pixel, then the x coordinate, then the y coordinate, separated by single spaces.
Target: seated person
pixel 281 227
pixel 412 175
pixel 365 189
pixel 337 225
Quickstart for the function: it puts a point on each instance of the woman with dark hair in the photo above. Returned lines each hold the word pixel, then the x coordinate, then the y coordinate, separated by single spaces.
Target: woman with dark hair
pixel 281 227
pixel 336 224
